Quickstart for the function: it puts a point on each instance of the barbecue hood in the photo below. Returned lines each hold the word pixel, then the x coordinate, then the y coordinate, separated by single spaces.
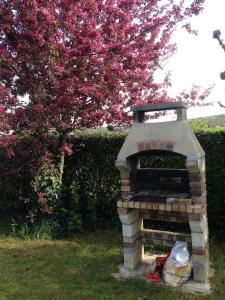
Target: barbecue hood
pixel 175 136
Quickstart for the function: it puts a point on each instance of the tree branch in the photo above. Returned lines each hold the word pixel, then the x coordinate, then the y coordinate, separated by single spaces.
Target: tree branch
pixel 221 105
pixel 216 35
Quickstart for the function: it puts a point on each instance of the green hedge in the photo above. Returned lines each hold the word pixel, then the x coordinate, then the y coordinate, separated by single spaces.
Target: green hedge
pixel 213 143
pixel 91 181
pixel 98 180
pixel 92 168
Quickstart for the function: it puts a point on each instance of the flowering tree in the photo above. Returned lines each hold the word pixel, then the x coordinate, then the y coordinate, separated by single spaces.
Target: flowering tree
pixel 67 65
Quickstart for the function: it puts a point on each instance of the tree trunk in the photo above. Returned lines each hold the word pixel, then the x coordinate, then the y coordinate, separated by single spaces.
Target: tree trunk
pixel 62 140
pixel 61 167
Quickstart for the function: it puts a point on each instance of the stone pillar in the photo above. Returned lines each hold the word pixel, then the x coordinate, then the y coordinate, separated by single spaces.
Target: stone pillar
pixel 138 116
pixel 198 221
pixel 200 247
pixel 181 114
pixel 131 227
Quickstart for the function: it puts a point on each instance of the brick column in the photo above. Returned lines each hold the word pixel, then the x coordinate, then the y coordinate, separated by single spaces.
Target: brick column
pixel 131 227
pixel 125 184
pixel 200 247
pixel 198 221
pixel 197 188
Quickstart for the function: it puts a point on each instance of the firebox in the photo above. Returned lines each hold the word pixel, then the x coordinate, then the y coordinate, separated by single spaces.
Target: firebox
pixel 176 195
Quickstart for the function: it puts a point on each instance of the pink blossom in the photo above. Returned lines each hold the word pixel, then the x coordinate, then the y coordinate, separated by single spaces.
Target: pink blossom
pixel 43 202
pixel 65 148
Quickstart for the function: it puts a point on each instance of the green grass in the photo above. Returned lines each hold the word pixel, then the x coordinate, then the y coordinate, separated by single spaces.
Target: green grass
pixel 81 268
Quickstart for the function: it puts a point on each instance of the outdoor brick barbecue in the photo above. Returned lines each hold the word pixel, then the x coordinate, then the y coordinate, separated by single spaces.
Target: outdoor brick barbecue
pixel 172 195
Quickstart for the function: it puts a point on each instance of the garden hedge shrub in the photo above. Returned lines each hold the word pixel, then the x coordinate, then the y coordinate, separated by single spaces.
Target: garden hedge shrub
pixel 91 181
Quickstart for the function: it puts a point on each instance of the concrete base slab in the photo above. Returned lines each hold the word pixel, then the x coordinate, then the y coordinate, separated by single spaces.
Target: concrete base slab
pixel 126 273
pixel 196 288
pixel 193 287
pixel 148 265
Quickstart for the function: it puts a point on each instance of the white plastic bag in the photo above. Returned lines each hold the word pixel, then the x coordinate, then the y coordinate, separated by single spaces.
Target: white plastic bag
pixel 177 268
pixel 179 254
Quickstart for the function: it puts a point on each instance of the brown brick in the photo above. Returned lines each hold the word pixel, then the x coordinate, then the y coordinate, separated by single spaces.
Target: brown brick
pixel 201 266
pixel 125 188
pixel 132 246
pixel 147 215
pixel 149 205
pixel 173 219
pixel 167 236
pixel 122 211
pixel 157 235
pixel 200 258
pixel 188 239
pixel 143 205
pixel 136 204
pixel 132 239
pixel 154 144
pixel 131 204
pixel 197 209
pixel 194 217
pixel 197 191
pixel 124 174
pixel 169 146
pixel 152 216
pixel 175 207
pixel 196 176
pixel 157 242
pixel 125 182
pixel 168 243
pixel 168 207
pixel 198 251
pixel 141 145
pixel 180 237
pixel 148 145
pixel 183 214
pixel 165 218
pixel 168 213
pixel 190 209
pixel 198 200
pixel 119 203
pixel 155 206
pixel 144 216
pixel 147 240
pixel 161 206
pixel 182 208
pixel 125 195
pixel 144 233
pixel 125 204
pixel 197 184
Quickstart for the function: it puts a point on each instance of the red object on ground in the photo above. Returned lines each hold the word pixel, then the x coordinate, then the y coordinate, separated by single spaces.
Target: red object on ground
pixel 153 278
pixel 160 262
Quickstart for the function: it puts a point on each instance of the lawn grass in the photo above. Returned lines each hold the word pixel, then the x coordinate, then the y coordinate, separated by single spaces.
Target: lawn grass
pixel 81 268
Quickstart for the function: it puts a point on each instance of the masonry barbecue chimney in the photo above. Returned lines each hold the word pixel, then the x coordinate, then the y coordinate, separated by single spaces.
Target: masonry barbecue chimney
pixel 174 195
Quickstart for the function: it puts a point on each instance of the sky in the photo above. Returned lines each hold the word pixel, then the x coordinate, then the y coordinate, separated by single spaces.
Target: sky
pixel 200 59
